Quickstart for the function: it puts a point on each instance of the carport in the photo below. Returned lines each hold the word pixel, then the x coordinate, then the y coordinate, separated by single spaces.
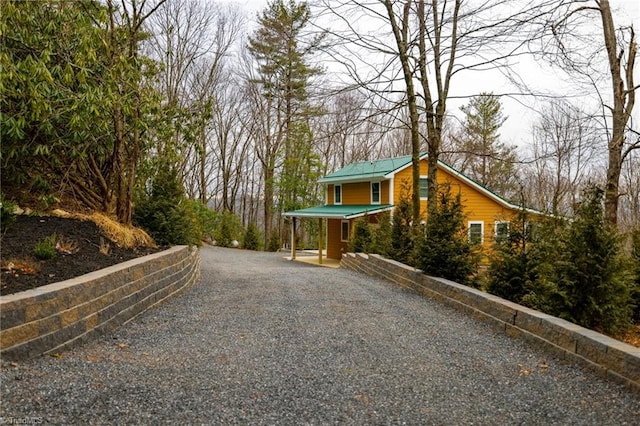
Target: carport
pixel 338 229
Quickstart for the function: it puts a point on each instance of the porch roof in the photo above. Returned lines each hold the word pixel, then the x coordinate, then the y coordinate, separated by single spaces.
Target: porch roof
pixel 339 211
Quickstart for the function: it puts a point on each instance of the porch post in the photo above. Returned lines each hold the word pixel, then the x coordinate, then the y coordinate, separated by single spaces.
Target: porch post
pixel 293 238
pixel 320 241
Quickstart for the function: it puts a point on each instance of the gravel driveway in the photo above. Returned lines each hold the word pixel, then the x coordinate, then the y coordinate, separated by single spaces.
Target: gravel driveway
pixel 262 340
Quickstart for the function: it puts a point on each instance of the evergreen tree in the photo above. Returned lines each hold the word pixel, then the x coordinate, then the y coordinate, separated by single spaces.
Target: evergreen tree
pixel 594 278
pixel 252 237
pixel 361 240
pixel 164 211
pixel 283 51
pixel 512 267
pixel 401 229
pixel 381 238
pixel 482 156
pixel 444 250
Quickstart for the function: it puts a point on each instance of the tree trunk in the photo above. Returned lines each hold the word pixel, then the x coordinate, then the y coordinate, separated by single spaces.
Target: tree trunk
pixel 623 101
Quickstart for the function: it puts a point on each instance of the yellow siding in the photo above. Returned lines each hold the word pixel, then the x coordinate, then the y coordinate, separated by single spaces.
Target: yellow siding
pixel 335 247
pixel 356 193
pixel 384 192
pixel 477 206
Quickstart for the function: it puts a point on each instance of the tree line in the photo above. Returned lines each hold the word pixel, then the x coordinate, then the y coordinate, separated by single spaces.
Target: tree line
pixel 99 99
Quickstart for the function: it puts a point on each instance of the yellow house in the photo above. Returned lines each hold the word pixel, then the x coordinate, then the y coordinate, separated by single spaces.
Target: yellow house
pixel 371 187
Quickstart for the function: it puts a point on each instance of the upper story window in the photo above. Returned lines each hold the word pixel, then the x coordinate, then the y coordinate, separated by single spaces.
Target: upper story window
pixel 375 192
pixel 337 194
pixel 424 188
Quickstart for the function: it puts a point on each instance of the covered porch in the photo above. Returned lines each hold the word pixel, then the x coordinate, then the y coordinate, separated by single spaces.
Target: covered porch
pixel 338 226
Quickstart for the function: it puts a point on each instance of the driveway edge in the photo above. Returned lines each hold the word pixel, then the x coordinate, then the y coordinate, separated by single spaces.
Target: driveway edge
pixel 604 355
pixel 54 317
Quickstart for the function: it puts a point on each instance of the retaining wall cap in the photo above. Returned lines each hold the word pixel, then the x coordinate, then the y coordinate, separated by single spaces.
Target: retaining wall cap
pixel 53 287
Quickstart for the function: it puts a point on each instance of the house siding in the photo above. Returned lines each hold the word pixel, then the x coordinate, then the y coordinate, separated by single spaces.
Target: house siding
pixel 356 193
pixel 335 247
pixel 477 206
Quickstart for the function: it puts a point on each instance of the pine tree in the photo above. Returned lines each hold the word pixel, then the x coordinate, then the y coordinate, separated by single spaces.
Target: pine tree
pixel 482 156
pixel 444 250
pixel 283 53
pixel 401 228
pixel 592 274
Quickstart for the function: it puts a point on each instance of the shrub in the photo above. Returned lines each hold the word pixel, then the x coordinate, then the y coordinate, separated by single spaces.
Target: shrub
pixel 206 218
pixel 7 213
pixel 635 259
pixel 46 248
pixel 165 213
pixel 513 264
pixel 401 247
pixel 228 229
pixel 593 275
pixel 381 236
pixel 361 240
pixel 252 237
pixel 444 250
pixel 274 242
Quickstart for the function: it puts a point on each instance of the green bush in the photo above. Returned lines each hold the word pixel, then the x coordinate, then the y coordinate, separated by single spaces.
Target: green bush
pixel 381 236
pixel 7 215
pixel 45 249
pixel 228 229
pixel 274 243
pixel 592 274
pixel 361 240
pixel 402 244
pixel 206 218
pixel 444 250
pixel 513 263
pixel 165 213
pixel 252 237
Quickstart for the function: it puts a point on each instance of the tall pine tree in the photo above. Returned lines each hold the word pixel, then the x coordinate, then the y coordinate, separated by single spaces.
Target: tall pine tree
pixel 283 50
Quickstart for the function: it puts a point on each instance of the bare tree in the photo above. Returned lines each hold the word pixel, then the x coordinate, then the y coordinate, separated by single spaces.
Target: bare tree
pixel 591 58
pixel 430 44
pixel 565 148
pixel 192 40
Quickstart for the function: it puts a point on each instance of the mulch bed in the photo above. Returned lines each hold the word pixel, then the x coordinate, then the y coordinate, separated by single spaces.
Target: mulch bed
pixel 21 270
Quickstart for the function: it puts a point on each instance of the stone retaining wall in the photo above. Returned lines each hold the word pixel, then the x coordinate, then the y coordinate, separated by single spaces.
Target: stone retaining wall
pixel 51 318
pixel 606 356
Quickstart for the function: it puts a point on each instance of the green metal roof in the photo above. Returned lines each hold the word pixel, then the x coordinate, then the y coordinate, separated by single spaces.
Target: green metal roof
pixel 340 211
pixel 367 169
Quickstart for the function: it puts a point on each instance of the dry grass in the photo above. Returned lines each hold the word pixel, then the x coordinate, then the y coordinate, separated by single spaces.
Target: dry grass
pixel 20 266
pixel 105 247
pixel 121 235
pixel 632 336
pixel 66 245
pixel 127 237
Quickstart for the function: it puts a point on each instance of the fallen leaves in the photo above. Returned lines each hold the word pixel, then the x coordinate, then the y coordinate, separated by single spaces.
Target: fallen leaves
pixel 523 370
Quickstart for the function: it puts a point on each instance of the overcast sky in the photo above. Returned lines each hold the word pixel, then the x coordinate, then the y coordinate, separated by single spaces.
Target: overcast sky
pixel 517 129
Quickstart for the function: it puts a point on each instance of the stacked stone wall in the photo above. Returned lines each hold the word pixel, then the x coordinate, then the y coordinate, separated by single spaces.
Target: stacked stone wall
pixel 52 318
pixel 602 354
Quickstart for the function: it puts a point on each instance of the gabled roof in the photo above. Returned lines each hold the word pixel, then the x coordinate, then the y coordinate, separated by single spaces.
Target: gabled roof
pixel 339 211
pixel 367 170
pixel 388 167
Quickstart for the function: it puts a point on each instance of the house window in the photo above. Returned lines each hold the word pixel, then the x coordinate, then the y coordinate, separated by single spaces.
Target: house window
pixel 375 192
pixel 337 194
pixel 424 188
pixel 476 232
pixel 501 231
pixel 344 231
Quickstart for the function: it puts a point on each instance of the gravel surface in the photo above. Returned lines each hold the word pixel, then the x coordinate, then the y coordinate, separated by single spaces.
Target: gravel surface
pixel 262 340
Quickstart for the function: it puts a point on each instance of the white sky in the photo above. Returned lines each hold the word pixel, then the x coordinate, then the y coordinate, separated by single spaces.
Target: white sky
pixel 517 129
